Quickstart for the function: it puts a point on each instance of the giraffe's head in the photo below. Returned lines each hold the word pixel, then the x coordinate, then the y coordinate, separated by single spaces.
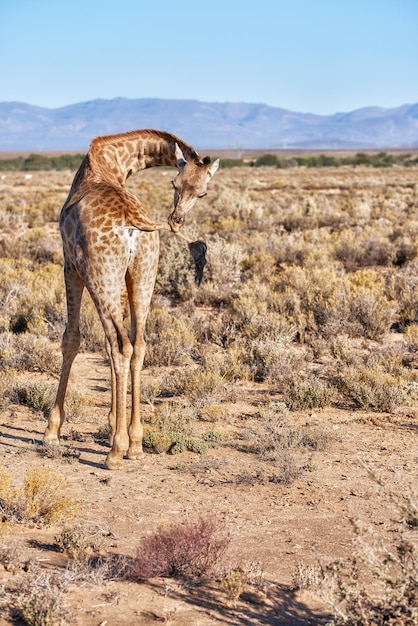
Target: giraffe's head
pixel 189 185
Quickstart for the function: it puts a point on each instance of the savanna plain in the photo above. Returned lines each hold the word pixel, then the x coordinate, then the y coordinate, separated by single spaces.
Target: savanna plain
pixel 280 403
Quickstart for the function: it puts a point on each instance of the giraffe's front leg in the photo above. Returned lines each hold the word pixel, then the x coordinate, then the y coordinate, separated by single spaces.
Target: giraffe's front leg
pixel 55 421
pixel 70 346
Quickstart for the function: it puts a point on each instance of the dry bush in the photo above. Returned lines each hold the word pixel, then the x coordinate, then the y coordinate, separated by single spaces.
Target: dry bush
pixel 222 278
pixel 76 406
pixel 92 335
pixel 234 583
pixel 369 305
pixel 402 287
pixel 371 386
pixel 28 352
pixel 170 341
pixel 38 397
pixel 31 296
pixel 81 540
pixel 271 361
pixel 312 297
pixel 40 501
pixel 206 385
pixel 171 431
pixel 309 392
pixel 40 601
pixel 363 249
pixel 7 382
pixel 411 338
pixel 175 278
pixel 303 264
pixel 187 548
pixel 378 585
pixel 272 435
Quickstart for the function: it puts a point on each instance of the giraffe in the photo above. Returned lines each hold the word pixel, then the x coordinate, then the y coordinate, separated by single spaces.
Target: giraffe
pixel 111 248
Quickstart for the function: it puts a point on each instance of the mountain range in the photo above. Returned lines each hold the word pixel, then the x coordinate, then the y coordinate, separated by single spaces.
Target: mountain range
pixel 206 125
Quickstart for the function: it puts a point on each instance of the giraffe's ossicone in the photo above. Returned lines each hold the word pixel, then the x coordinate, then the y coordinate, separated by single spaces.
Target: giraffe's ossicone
pixel 111 248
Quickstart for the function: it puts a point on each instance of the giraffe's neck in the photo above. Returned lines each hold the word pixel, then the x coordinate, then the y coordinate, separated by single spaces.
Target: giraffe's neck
pixel 115 157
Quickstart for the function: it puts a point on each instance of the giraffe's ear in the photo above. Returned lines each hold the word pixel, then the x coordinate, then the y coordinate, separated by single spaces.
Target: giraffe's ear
pixel 181 160
pixel 213 168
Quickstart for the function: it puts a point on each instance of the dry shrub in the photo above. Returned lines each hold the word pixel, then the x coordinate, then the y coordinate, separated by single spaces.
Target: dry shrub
pixel 402 287
pixel 378 585
pixel 40 602
pixel 187 548
pixel 28 352
pixel 170 341
pixel 411 338
pixel 371 386
pixel 205 385
pixel 369 306
pixel 286 469
pixel 171 431
pixel 40 501
pixel 362 249
pixel 394 571
pixel 81 540
pixel 274 361
pixel 272 435
pixel 309 393
pixel 344 351
pixel 76 406
pixel 307 576
pixel 38 397
pixel 253 314
pixel 233 363
pixel 175 277
pixel 234 583
pixel 212 413
pixel 313 297
pixel 223 272
pixel 151 388
pixel 7 382
pixel 258 266
pixel 92 335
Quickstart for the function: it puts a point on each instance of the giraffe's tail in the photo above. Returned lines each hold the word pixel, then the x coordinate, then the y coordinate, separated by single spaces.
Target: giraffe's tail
pixel 198 251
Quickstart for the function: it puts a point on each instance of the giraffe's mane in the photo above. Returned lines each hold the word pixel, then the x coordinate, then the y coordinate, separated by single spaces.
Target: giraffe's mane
pixel 99 142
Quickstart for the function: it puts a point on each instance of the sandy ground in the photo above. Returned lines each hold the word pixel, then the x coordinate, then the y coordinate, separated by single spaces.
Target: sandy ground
pixel 272 526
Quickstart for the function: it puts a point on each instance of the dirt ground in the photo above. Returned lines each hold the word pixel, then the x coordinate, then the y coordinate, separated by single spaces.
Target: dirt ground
pixel 272 526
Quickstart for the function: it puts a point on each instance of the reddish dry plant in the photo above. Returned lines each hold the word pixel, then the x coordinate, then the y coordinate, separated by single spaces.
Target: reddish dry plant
pixel 187 548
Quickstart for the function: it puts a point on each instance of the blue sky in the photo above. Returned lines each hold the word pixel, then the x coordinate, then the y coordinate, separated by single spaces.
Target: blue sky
pixel 320 56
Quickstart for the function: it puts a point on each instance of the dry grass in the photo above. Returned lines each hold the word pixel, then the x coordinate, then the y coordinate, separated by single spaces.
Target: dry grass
pixel 309 296
pixel 39 501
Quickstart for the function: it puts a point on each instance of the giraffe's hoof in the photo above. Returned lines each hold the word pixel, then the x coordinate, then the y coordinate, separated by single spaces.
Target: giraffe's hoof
pixel 135 453
pixel 50 439
pixel 113 462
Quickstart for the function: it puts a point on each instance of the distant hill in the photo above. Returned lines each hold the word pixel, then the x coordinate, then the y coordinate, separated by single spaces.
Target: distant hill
pixel 206 125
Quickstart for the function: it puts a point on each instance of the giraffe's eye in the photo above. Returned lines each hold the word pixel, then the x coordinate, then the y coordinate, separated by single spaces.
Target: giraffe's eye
pixel 202 195
pixel 174 185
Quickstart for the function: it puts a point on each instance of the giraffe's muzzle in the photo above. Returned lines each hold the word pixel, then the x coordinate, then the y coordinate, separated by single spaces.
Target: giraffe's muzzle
pixel 175 222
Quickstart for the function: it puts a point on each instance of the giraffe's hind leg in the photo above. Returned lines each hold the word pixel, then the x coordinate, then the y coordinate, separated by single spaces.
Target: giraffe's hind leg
pixel 136 429
pixel 70 346
pixel 120 351
pixel 140 280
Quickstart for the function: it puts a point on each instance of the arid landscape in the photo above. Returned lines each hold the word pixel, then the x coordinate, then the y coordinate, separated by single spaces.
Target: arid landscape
pixel 280 402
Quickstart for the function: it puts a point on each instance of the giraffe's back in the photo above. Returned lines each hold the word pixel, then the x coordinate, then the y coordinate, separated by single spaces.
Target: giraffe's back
pixel 102 247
